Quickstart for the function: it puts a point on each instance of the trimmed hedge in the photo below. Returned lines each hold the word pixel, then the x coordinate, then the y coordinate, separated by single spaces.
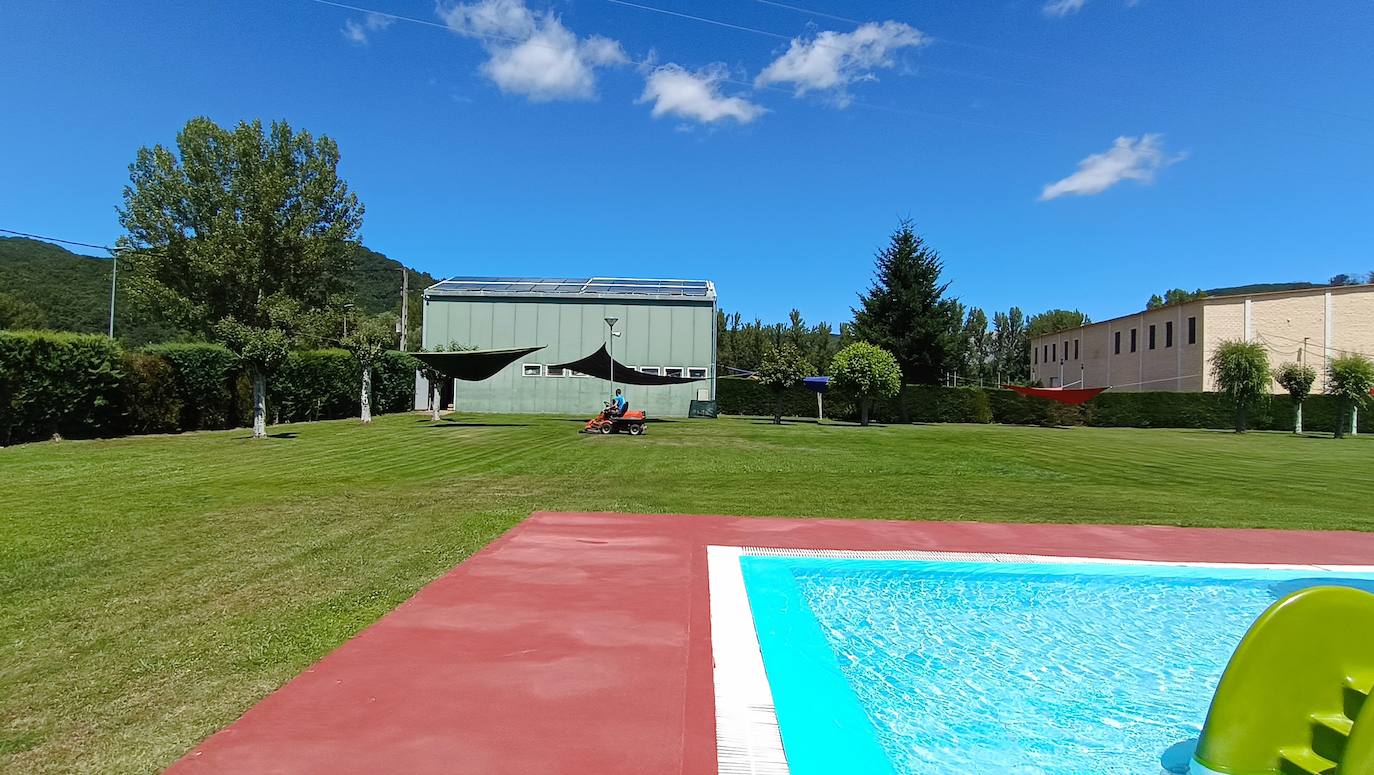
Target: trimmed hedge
pixel 67 384
pixel 84 385
pixel 926 403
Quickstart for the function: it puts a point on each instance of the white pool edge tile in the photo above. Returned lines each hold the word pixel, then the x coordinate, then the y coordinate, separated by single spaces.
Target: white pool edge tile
pixel 748 740
pixel 1041 559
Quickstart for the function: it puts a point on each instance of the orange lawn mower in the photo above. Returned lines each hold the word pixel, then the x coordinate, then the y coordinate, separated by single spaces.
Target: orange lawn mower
pixel 608 422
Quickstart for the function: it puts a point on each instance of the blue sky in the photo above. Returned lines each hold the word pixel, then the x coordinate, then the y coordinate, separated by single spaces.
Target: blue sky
pixel 1077 153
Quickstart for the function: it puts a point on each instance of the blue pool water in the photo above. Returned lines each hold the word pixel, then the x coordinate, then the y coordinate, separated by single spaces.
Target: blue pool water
pixel 933 667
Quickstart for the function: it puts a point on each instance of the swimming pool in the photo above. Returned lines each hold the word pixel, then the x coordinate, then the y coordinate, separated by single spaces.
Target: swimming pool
pixel 1039 667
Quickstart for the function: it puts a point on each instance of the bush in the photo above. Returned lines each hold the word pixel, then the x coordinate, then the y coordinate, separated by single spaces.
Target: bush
pixel 204 378
pixel 67 384
pixel 927 403
pixel 149 394
pixel 865 372
pixel 85 385
pixel 327 385
pixel 314 385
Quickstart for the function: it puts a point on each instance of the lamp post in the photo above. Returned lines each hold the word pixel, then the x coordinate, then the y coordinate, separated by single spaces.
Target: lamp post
pixel 610 348
pixel 114 274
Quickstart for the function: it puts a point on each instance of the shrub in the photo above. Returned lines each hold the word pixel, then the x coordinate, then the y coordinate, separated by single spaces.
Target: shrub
pixel 150 397
pixel 314 385
pixel 1349 378
pixel 67 384
pixel 865 372
pixel 204 379
pixel 1241 370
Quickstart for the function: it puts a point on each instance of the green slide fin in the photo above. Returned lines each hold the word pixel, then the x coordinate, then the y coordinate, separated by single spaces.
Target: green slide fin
pixel 1293 700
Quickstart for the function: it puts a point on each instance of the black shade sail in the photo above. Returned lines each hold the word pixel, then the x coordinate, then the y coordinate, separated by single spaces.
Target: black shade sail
pixel 473 365
pixel 598 364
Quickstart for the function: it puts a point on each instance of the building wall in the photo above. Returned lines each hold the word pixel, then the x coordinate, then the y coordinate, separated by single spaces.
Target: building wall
pixel 1168 366
pixel 654 333
pixel 1310 325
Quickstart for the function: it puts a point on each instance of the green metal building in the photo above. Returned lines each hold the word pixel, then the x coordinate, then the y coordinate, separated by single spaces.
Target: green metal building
pixel 665 327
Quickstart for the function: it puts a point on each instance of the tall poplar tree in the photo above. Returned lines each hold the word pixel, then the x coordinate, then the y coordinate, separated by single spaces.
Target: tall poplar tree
pixel 240 235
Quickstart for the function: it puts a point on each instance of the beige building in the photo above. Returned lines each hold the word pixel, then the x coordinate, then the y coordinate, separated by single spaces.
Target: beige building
pixel 1170 348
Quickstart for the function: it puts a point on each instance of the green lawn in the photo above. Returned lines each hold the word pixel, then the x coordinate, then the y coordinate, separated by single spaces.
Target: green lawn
pixel 153 588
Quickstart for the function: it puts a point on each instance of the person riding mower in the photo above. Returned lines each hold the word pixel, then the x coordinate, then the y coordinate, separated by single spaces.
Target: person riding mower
pixel 611 420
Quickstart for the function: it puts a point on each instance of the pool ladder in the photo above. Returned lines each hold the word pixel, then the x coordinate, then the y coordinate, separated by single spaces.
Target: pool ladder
pixel 1294 699
pixel 1330 733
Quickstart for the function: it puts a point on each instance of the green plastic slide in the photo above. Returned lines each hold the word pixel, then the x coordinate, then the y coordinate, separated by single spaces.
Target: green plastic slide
pixel 1293 700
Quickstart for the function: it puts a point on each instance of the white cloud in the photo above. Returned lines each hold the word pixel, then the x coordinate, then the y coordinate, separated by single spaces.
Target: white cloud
pixel 1129 158
pixel 676 91
pixel 532 53
pixel 358 32
pixel 1062 7
pixel 831 61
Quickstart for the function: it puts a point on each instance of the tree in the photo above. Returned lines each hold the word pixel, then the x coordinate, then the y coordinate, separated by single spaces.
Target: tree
pixel 1054 320
pixel 17 314
pixel 1174 296
pixel 368 342
pixel 905 310
pixel 1347 279
pixel 1349 378
pixel 1241 370
pixel 245 225
pixel 783 367
pixel 1297 379
pixel 1010 345
pixel 866 371
pixel 261 351
pixel 976 345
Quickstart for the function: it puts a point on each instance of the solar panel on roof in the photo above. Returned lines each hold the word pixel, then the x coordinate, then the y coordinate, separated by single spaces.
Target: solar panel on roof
pixel 594 286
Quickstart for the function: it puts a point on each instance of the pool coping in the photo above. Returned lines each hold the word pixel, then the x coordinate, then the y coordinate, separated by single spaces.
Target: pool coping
pixel 749 734
pixel 580 643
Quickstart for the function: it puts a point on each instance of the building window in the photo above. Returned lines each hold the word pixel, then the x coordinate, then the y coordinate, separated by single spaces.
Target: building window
pixel 697 373
pixel 1066 349
pixel 1116 344
pixel 1075 349
pixel 555 371
pixel 1047 354
pixel 532 369
pixel 1192 330
pixel 1036 353
pixel 1152 336
pixel 672 371
pixel 578 374
pixel 1054 352
pixel 648 369
pixel 1132 340
pixel 1168 333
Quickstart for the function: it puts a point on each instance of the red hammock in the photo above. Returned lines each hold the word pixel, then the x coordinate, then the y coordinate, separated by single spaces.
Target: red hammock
pixel 1070 396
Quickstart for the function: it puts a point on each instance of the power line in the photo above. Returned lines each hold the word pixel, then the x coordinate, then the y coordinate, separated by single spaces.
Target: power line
pixel 55 239
pixel 702 19
pixel 810 12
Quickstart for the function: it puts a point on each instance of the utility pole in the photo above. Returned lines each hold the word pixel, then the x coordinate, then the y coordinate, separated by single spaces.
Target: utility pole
pixel 405 304
pixel 610 348
pixel 114 274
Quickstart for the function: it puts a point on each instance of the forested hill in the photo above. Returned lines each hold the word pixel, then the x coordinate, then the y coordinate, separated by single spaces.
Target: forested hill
pixel 1236 290
pixel 43 285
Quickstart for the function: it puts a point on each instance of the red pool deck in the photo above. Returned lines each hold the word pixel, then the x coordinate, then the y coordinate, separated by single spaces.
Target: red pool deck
pixel 580 644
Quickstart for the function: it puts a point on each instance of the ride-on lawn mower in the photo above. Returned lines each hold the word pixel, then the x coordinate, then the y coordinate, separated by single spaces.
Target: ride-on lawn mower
pixel 609 422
